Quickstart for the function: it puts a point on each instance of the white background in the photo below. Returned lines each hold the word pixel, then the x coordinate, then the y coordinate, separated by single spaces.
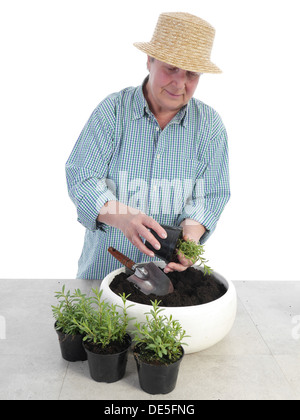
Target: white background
pixel 60 58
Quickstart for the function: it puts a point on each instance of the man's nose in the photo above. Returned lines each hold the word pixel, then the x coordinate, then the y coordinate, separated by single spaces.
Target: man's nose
pixel 180 78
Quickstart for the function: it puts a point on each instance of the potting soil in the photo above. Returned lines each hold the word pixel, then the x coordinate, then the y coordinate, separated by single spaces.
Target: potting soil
pixel 191 287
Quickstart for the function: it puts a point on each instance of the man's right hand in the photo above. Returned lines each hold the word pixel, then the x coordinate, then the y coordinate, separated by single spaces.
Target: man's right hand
pixel 133 223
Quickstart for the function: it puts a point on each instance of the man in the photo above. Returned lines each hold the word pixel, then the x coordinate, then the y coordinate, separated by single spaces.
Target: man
pixel 152 155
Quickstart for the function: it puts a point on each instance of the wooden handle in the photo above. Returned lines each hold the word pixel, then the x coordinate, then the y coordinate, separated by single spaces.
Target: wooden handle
pixel 121 257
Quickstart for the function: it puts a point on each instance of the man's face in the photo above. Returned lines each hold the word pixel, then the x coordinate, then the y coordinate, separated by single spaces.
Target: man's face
pixel 169 88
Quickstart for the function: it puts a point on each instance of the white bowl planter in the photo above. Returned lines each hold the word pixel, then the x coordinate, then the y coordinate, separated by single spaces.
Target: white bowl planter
pixel 206 324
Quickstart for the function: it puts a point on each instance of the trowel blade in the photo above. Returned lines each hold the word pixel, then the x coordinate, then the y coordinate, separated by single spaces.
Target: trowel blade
pixel 155 281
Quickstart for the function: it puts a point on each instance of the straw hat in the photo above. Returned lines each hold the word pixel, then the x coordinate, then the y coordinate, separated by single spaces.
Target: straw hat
pixel 182 40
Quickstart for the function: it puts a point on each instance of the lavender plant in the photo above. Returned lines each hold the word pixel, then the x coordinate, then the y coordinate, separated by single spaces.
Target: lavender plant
pixel 159 338
pixel 193 251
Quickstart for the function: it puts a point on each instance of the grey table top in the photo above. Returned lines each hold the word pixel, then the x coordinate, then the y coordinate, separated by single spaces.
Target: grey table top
pixel 258 359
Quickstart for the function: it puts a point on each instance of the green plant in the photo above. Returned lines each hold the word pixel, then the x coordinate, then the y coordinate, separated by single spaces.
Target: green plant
pixel 72 308
pixel 159 338
pixel 193 251
pixel 103 324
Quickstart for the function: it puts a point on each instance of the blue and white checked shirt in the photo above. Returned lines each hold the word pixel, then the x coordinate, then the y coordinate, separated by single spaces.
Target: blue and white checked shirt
pixel 172 174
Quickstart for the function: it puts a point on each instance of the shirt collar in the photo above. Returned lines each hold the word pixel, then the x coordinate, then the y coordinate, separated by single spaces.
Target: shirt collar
pixel 140 103
pixel 141 107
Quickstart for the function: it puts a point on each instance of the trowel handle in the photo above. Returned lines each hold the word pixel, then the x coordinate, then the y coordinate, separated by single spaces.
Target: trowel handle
pixel 122 258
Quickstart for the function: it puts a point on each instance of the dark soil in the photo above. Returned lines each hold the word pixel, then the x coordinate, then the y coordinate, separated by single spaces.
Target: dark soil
pixel 113 348
pixel 191 287
pixel 145 356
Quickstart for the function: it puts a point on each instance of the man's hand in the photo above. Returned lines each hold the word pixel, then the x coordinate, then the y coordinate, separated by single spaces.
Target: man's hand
pixel 133 223
pixel 191 230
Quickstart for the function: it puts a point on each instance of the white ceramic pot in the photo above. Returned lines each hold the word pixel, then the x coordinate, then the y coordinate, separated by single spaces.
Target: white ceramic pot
pixel 206 324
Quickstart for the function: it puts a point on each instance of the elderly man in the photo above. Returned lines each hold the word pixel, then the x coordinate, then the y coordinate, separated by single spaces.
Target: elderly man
pixel 152 155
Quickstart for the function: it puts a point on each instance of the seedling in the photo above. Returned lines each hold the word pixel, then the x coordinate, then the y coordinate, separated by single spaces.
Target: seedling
pixel 159 338
pixel 194 252
pixel 72 307
pixel 103 324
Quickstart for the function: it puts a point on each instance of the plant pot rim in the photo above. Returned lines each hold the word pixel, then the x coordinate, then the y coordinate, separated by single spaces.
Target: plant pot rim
pixel 60 331
pixel 156 365
pixel 127 337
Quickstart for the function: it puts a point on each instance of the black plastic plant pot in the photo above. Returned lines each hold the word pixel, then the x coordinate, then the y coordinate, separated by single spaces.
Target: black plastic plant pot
pixel 157 379
pixel 167 251
pixel 107 367
pixel 71 346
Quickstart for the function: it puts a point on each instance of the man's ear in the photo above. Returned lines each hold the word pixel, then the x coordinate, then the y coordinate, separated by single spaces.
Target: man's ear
pixel 148 62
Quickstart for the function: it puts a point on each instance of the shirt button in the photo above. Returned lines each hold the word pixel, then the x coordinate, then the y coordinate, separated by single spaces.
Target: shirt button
pixel 158 156
pixel 157 128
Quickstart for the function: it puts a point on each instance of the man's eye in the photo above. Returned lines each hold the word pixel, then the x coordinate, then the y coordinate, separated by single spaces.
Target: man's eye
pixel 192 74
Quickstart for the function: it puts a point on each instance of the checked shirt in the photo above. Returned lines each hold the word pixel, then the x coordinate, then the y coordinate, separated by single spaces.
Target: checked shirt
pixel 172 174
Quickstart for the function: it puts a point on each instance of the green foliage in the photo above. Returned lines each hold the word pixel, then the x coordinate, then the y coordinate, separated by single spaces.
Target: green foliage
pixel 72 308
pixel 103 323
pixel 159 338
pixel 193 251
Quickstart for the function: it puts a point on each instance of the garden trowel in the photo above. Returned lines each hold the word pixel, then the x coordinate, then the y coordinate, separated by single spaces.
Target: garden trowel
pixel 147 277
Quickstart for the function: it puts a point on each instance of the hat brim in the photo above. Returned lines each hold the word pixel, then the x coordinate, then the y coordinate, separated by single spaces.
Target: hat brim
pixel 178 59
